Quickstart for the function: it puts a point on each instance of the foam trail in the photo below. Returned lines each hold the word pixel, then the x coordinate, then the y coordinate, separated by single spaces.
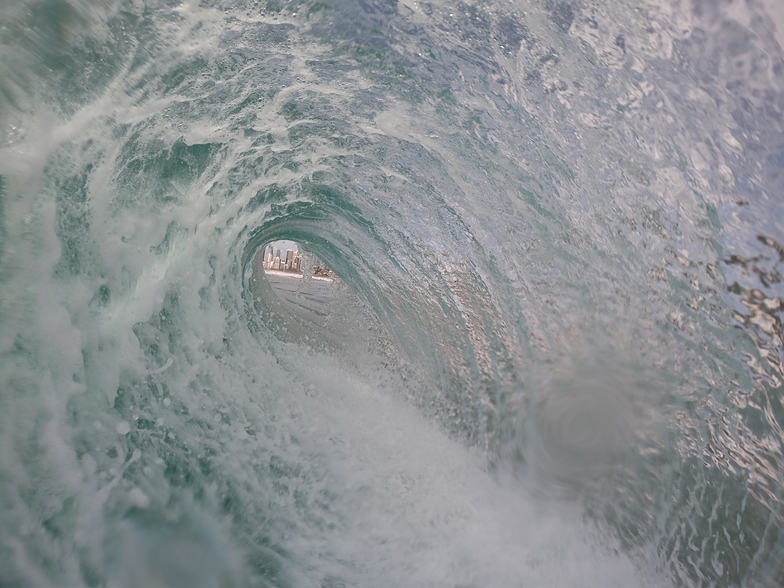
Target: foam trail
pixel 553 351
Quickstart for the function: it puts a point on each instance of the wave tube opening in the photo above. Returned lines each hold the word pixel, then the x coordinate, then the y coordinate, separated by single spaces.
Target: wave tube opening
pixel 550 353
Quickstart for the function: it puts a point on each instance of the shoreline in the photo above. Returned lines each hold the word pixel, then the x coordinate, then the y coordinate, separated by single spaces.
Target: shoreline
pixel 284 273
pixel 296 275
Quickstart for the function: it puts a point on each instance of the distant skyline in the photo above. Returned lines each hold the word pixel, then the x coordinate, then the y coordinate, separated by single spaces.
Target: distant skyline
pixel 284 256
pixel 277 259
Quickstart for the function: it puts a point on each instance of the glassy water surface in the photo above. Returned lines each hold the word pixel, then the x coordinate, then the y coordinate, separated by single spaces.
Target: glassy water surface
pixel 391 293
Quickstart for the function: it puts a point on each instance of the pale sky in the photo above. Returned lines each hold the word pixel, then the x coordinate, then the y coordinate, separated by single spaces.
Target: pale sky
pixel 283 245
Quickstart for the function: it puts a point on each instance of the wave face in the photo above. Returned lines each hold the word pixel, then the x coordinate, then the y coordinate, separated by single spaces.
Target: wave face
pixel 555 356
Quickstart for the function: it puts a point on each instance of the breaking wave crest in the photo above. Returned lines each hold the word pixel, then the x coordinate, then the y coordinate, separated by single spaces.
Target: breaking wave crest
pixel 553 355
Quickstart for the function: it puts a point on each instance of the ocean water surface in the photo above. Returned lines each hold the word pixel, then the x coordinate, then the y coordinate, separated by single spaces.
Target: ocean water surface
pixel 551 352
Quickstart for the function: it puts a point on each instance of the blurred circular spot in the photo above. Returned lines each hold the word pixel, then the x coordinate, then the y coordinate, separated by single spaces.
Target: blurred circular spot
pixel 582 426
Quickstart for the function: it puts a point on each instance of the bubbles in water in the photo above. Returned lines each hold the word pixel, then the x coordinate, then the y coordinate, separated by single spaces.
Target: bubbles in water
pixel 138 498
pixel 160 549
pixel 532 175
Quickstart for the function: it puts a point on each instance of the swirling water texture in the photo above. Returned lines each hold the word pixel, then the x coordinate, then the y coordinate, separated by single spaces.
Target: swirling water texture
pixel 560 225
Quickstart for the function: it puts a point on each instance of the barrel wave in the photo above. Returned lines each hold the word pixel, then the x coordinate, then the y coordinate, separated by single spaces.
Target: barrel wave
pixel 553 353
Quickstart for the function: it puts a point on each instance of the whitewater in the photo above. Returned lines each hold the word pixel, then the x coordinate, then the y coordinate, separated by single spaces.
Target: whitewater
pixel 551 356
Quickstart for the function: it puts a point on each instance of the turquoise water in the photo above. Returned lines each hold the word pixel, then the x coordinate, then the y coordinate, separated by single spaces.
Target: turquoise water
pixel 555 355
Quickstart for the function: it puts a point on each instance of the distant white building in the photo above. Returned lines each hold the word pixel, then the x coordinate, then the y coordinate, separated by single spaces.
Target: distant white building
pixel 274 259
pixel 290 253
